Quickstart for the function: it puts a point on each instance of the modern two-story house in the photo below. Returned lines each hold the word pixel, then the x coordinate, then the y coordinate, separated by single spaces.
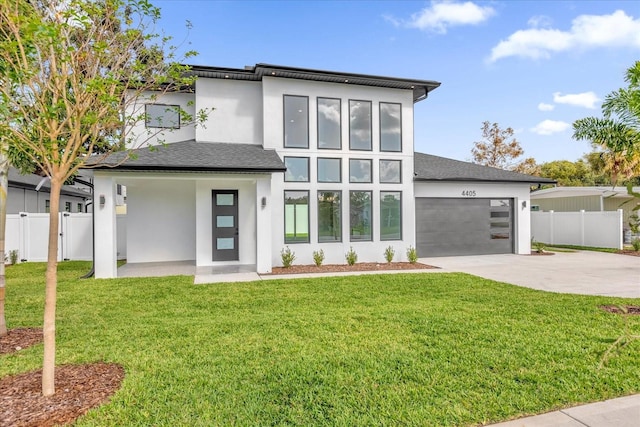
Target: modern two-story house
pixel 305 159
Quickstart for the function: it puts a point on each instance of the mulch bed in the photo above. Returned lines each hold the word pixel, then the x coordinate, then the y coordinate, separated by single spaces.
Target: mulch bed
pixel 19 338
pixel 628 252
pixel 339 268
pixel 78 387
pixel 630 309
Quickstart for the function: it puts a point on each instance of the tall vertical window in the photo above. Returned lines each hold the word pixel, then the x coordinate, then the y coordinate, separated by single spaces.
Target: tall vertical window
pixel 162 116
pixel 329 216
pixel 297 169
pixel 390 127
pixel 67 206
pixel 329 119
pixel 390 171
pixel 296 121
pixel 47 206
pixel 360 125
pixel 296 217
pixel 390 215
pixel 360 218
pixel 80 207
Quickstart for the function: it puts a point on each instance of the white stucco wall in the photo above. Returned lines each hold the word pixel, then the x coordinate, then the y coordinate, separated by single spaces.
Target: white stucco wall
pixel 138 135
pixel 161 220
pixel 237 114
pixel 274 89
pixel 518 192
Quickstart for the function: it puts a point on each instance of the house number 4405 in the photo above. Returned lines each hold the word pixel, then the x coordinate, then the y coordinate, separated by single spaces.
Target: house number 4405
pixel 468 193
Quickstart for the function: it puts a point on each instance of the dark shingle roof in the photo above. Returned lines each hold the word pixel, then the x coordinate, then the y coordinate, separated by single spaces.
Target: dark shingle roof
pixel 198 156
pixel 30 182
pixel 433 168
pixel 420 88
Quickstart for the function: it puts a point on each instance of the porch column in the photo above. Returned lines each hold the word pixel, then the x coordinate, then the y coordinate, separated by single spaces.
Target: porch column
pixel 263 222
pixel 105 230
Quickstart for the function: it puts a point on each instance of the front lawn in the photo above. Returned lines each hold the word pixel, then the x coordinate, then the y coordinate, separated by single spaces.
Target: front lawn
pixel 429 349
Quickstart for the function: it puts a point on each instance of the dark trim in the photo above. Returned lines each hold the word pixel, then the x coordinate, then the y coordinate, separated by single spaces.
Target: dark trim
pixel 370 125
pixel 503 181
pixel 308 215
pixel 318 124
pixel 284 121
pixel 380 126
pixel 144 168
pixel 169 106
pixel 318 215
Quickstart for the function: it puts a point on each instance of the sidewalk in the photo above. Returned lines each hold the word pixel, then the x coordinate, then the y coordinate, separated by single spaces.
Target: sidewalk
pixel 620 412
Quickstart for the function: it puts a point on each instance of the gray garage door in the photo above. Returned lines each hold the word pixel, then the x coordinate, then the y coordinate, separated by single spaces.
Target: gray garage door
pixel 447 227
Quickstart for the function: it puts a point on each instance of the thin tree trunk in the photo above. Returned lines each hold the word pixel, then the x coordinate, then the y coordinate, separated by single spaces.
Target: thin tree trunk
pixel 4 187
pixel 49 329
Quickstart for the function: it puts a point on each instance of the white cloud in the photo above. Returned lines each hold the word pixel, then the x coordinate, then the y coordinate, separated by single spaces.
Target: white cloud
pixel 545 107
pixel 585 99
pixel 548 127
pixel 587 31
pixel 539 21
pixel 441 15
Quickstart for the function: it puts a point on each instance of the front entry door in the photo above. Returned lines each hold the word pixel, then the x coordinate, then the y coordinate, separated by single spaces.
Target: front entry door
pixel 225 225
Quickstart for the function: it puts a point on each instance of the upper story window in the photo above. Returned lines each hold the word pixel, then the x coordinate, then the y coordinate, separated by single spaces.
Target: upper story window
pixel 329 120
pixel 296 121
pixel 162 116
pixel 360 170
pixel 297 169
pixel 360 125
pixel 391 171
pixel 390 127
pixel 329 170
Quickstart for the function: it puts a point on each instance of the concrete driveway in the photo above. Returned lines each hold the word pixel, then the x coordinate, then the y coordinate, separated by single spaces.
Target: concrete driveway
pixel 582 272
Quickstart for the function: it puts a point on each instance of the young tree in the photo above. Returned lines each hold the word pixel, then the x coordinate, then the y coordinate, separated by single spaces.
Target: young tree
pixel 500 149
pixel 4 188
pixel 71 73
pixel 617 134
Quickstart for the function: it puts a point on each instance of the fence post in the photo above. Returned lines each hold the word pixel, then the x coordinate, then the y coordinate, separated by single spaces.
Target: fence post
pixel 581 227
pixel 620 229
pixel 22 237
pixel 551 231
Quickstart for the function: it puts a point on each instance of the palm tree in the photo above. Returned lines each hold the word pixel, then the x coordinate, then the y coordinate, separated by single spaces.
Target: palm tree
pixel 617 134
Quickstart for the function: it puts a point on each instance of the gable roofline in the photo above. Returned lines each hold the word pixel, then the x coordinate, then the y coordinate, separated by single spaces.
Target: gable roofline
pixel 420 88
pixel 587 191
pixel 428 167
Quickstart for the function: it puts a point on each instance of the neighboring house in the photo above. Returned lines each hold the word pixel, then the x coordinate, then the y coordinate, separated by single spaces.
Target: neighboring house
pixel 308 159
pixel 23 196
pixel 590 199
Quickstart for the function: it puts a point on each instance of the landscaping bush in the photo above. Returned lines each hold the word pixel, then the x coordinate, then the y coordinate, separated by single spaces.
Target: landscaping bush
pixel 288 256
pixel 351 256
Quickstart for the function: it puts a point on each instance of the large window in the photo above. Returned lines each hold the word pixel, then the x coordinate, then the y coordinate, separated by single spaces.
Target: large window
pixel 329 170
pixel 360 218
pixel 390 127
pixel 296 121
pixel 390 215
pixel 162 116
pixel 329 119
pixel 390 171
pixel 359 170
pixel 329 216
pixel 297 169
pixel 296 217
pixel 360 125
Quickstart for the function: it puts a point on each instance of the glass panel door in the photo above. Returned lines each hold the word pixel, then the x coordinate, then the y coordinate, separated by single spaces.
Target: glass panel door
pixel 225 225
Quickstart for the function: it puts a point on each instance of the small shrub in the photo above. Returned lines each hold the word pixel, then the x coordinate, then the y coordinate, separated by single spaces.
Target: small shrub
pixel 318 257
pixel 539 247
pixel 351 256
pixel 13 256
pixel 635 243
pixel 412 255
pixel 288 256
pixel 389 253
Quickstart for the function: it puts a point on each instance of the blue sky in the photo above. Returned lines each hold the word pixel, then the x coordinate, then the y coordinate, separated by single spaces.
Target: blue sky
pixel 534 66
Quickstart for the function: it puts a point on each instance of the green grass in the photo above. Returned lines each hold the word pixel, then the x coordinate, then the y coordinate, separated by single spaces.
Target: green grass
pixel 582 248
pixel 429 349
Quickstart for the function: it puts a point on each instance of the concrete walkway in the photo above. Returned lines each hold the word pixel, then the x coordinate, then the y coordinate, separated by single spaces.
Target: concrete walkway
pixel 621 412
pixel 581 272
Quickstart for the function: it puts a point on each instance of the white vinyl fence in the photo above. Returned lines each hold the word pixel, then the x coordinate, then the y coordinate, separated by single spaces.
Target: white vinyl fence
pixel 28 233
pixel 596 229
